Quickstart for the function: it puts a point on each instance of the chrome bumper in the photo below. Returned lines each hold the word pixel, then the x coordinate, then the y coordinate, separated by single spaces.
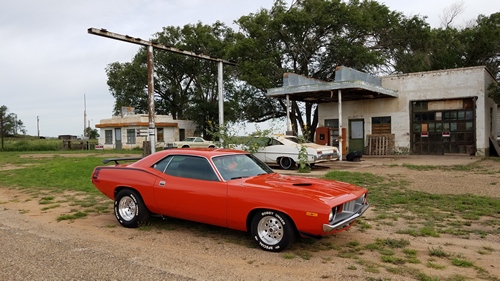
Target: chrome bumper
pixel 346 222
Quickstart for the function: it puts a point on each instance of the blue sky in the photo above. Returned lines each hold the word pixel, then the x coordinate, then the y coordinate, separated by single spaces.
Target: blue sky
pixel 48 61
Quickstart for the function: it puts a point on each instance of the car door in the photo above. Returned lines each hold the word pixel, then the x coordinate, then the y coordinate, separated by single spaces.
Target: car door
pixel 189 189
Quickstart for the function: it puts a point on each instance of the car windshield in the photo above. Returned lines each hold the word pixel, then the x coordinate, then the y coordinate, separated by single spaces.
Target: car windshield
pixel 236 166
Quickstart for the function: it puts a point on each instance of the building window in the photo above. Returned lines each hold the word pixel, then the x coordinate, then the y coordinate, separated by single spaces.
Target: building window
pixel 108 136
pixel 159 135
pixel 381 125
pixel 131 136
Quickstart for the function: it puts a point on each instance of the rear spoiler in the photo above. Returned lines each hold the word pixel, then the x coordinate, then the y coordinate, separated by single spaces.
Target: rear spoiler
pixel 106 161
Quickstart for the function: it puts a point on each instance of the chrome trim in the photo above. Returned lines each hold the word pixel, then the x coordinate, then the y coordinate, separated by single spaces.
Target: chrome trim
pixel 346 222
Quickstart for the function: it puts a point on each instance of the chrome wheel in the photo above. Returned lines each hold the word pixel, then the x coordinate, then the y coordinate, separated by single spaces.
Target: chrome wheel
pixel 127 208
pixel 270 230
pixel 130 210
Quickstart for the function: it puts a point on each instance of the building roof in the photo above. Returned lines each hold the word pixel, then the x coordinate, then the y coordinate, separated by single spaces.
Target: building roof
pixel 354 85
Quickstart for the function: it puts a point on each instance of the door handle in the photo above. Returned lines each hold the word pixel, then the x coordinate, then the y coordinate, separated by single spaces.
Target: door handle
pixel 162 183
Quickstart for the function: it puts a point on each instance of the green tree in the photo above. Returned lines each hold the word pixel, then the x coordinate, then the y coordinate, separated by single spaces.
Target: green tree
pixel 92 134
pixel 312 38
pixel 10 125
pixel 185 87
pixel 449 47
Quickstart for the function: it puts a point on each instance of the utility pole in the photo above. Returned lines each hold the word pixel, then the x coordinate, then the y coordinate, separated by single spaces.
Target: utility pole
pixel 1 128
pixel 150 46
pixel 84 114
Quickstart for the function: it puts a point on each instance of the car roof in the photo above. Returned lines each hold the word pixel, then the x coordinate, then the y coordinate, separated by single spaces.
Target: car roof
pixel 204 152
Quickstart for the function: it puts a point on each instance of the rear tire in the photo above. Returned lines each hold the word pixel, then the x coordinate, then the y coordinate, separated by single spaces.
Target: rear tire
pixel 286 163
pixel 273 231
pixel 130 210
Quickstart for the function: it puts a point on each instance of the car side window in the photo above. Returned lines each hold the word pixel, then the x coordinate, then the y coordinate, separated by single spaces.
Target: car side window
pixel 191 167
pixel 162 164
pixel 198 140
pixel 275 142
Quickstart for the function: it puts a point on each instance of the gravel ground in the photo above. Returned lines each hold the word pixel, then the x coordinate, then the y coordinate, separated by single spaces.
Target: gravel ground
pixel 37 247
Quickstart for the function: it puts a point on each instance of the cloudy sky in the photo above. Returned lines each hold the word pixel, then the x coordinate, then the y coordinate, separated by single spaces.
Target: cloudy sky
pixel 48 61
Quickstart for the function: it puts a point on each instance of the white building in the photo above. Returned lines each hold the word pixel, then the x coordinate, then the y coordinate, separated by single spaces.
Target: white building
pixel 131 130
pixel 436 112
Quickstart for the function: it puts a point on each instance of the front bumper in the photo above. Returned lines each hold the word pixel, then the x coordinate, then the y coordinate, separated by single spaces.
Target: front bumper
pixel 345 222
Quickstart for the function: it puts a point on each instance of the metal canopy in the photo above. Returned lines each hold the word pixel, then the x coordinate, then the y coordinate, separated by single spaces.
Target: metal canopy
pixel 355 85
pixel 349 85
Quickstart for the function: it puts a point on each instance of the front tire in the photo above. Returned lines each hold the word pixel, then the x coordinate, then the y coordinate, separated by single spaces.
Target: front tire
pixel 286 163
pixel 130 210
pixel 273 231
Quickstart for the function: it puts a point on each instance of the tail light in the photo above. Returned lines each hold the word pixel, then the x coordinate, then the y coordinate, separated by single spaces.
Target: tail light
pixel 96 173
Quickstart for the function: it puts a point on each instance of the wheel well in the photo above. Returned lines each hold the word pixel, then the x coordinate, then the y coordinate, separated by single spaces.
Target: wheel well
pixel 185 146
pixel 254 211
pixel 120 188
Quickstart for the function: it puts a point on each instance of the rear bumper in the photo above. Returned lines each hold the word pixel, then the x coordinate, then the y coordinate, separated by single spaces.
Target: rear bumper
pixel 346 222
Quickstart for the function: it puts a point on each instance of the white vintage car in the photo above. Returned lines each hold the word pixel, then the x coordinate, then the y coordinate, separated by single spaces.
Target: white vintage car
pixel 283 150
pixel 190 142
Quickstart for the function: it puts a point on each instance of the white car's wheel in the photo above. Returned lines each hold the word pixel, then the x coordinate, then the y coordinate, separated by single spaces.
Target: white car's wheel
pixel 286 163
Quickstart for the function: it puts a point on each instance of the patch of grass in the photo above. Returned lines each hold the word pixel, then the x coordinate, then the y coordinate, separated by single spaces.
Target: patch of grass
pixel 420 167
pixel 74 216
pixel 393 259
pixel 46 200
pixel 394 243
pixel 432 264
pixel 288 256
pixel 485 250
pixel 361 179
pixel 437 252
pixel 51 207
pixel 305 255
pixel 461 262
pixel 424 277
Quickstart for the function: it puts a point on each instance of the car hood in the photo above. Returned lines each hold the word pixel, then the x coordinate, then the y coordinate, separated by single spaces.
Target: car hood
pixel 324 190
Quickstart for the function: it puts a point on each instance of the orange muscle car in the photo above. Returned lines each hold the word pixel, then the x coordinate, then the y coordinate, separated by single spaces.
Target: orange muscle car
pixel 229 188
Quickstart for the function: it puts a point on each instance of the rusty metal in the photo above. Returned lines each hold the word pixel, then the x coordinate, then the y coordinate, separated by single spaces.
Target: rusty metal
pixel 103 32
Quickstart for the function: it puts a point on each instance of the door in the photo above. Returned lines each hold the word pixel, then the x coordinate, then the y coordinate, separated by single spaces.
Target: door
pixel 357 135
pixel 118 138
pixel 189 189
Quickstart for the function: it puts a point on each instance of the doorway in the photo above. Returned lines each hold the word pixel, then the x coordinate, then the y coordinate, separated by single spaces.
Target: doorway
pixel 357 135
pixel 118 138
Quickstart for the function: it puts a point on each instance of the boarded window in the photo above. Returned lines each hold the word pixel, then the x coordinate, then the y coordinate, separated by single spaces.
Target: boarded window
pixel 159 135
pixel 381 125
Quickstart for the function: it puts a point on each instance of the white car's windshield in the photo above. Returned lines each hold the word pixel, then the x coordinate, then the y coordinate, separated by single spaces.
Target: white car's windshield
pixel 238 166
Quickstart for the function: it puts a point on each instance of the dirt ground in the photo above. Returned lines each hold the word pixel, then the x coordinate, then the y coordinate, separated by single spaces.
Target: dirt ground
pixel 37 247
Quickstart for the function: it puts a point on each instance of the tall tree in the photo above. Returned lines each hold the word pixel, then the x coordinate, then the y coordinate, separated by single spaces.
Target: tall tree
pixel 312 38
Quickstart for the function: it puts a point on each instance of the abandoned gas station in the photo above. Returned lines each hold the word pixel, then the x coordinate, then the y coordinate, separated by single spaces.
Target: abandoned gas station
pixel 429 113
